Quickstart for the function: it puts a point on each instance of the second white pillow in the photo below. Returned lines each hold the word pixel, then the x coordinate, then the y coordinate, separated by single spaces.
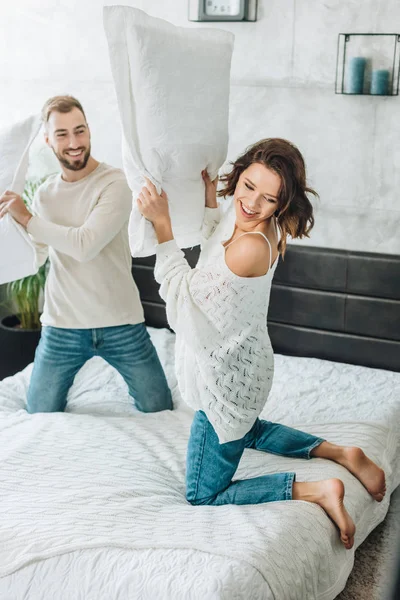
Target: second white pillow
pixel 17 254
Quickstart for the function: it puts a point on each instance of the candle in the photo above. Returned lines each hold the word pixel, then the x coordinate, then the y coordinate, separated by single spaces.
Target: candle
pixel 355 77
pixel 380 82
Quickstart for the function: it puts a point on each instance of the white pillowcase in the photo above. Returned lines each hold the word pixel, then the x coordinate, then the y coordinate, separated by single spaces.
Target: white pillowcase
pixel 17 253
pixel 172 86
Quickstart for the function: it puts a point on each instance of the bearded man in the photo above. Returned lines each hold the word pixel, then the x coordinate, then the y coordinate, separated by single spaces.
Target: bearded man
pixel 79 220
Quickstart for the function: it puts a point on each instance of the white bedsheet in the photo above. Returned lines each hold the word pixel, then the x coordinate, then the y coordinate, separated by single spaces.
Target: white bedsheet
pixel 92 502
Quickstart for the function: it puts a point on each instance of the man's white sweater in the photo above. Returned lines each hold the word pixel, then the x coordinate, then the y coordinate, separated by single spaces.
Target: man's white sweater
pixel 83 228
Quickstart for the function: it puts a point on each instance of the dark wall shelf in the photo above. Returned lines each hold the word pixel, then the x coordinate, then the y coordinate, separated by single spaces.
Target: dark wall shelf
pixel 371 47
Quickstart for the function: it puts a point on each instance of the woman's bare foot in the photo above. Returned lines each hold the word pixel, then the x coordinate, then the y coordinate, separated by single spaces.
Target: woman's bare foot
pixel 367 472
pixel 329 494
pixel 354 460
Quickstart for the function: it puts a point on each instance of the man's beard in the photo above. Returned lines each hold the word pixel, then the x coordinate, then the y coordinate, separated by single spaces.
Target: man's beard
pixel 74 165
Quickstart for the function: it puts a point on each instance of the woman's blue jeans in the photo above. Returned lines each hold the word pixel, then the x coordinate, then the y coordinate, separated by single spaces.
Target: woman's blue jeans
pixel 128 348
pixel 211 466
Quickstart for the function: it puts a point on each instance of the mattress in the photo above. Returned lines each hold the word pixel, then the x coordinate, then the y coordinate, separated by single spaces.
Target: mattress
pixel 92 501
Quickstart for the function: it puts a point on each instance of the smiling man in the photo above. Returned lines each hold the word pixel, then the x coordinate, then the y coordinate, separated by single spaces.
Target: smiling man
pixel 92 305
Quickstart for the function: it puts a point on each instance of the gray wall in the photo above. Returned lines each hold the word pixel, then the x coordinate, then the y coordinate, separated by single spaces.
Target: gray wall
pixel 282 85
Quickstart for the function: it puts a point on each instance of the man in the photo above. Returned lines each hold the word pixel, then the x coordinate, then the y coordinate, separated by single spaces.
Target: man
pixel 92 305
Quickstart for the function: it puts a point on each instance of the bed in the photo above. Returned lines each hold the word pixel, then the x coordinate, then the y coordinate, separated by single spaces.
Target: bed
pixel 92 500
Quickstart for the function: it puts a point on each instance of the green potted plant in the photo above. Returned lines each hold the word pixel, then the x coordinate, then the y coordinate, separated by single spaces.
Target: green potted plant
pixel 20 332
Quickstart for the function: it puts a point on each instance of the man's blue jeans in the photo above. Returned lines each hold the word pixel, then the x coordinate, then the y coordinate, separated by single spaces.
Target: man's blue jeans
pixel 62 352
pixel 211 466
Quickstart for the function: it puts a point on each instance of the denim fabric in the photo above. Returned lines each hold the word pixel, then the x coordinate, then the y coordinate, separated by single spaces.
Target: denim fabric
pixel 62 352
pixel 211 466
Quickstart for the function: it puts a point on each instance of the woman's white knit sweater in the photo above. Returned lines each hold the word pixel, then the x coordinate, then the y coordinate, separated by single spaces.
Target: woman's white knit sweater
pixel 224 359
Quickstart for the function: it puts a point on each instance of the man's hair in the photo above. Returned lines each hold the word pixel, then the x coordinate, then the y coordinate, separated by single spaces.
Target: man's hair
pixel 62 104
pixel 294 212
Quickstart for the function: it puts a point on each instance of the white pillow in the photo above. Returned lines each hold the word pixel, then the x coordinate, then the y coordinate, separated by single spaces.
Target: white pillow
pixel 17 253
pixel 172 86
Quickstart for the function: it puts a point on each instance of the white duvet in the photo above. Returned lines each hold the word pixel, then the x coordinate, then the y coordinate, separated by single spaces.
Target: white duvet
pixel 92 502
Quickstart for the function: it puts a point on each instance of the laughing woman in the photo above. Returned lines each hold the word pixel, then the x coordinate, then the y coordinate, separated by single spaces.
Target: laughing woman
pixel 224 358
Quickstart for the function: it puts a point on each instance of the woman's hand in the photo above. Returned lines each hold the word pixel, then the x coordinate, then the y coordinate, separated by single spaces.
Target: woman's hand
pixel 211 190
pixel 154 207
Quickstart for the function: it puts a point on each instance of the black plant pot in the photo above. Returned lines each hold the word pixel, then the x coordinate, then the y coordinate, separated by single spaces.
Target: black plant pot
pixel 17 346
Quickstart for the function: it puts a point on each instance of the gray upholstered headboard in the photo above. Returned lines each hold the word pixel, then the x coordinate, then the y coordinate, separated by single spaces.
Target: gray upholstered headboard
pixel 332 304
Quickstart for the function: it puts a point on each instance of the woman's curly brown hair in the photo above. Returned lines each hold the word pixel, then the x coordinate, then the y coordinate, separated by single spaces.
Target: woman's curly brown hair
pixel 295 212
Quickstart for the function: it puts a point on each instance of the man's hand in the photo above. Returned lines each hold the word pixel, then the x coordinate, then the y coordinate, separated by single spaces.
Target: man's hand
pixel 12 203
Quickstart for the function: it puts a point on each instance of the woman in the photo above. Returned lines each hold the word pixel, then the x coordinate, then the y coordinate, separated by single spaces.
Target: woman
pixel 224 358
